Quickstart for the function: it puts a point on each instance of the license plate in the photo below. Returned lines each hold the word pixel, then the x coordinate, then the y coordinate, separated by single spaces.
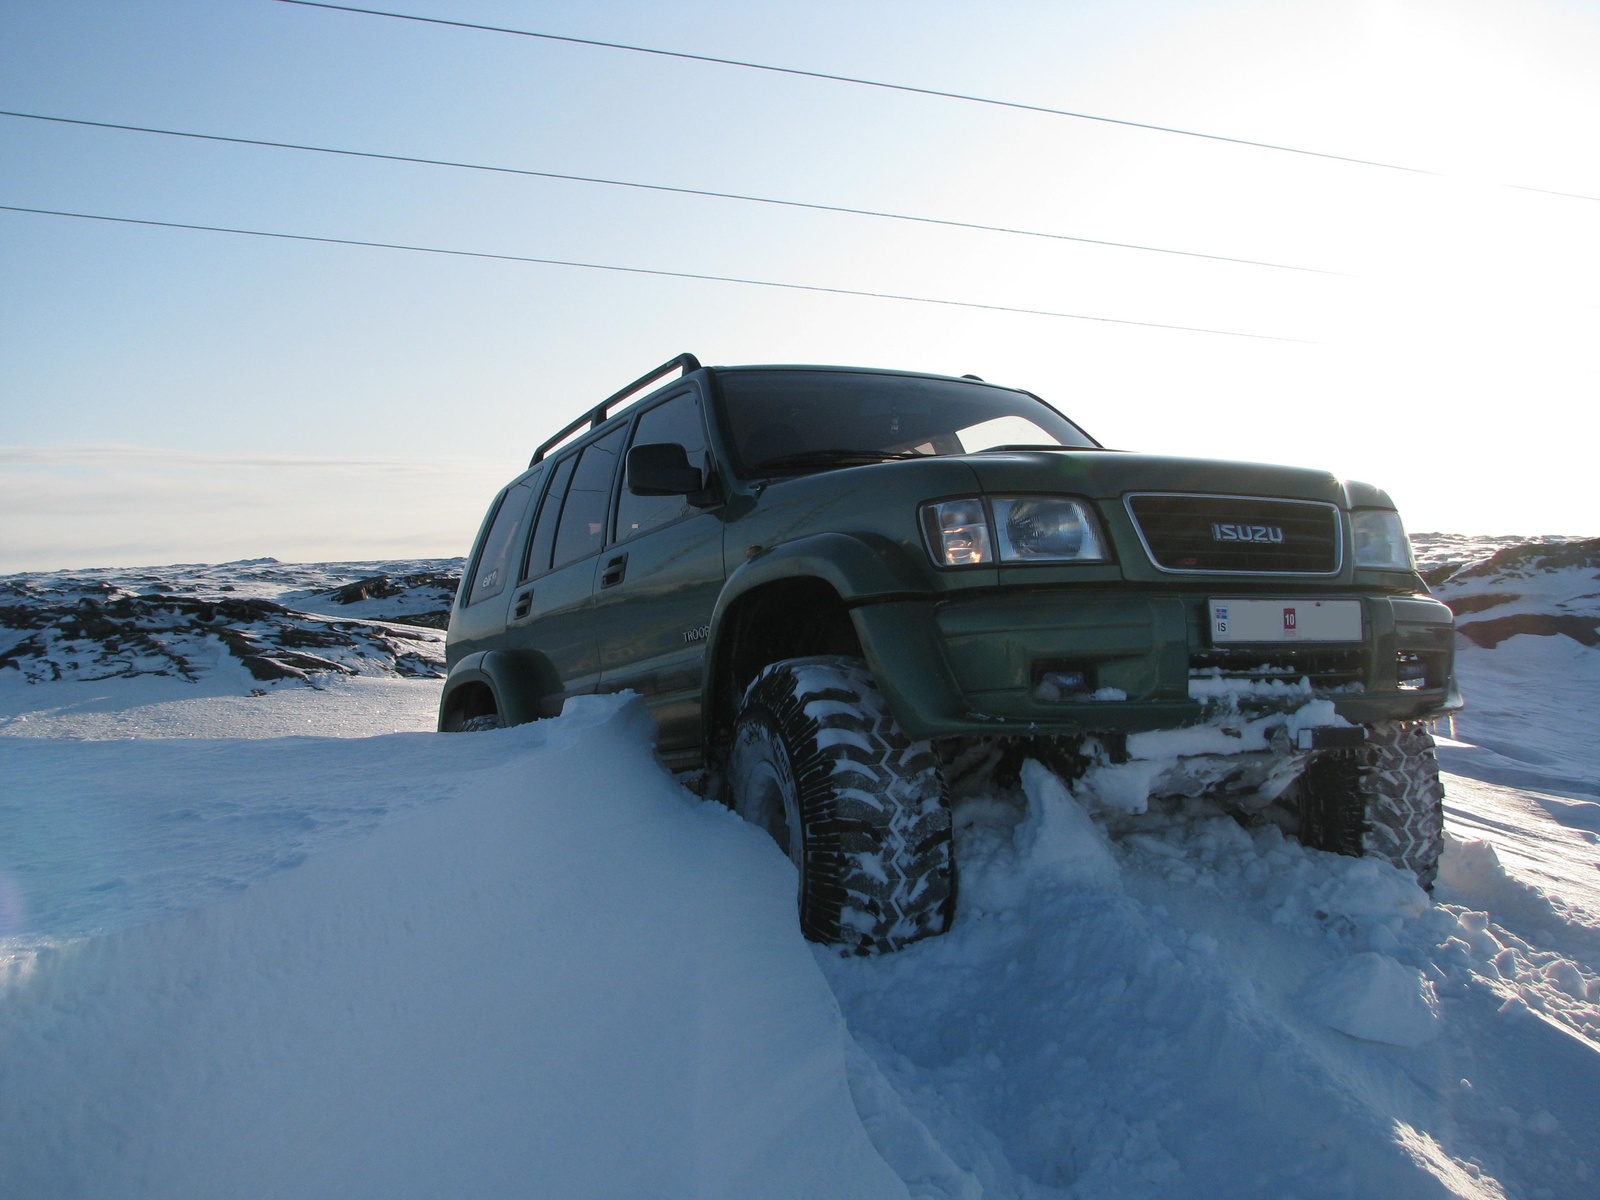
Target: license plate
pixel 1285 621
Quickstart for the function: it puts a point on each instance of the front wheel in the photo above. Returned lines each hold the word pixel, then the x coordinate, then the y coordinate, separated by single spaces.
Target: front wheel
pixel 818 761
pixel 1383 800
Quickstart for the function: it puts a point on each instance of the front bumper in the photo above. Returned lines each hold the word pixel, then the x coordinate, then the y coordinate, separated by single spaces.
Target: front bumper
pixel 972 664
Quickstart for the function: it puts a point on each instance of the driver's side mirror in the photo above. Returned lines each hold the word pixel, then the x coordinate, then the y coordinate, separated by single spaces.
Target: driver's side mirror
pixel 662 469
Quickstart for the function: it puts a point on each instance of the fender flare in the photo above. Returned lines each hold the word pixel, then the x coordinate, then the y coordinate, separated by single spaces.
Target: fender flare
pixel 859 568
pixel 516 699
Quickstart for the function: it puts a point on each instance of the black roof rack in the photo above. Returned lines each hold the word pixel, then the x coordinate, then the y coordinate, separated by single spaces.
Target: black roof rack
pixel 595 416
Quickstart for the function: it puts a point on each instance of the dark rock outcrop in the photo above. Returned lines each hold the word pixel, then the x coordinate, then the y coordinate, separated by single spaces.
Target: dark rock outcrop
pixel 1492 632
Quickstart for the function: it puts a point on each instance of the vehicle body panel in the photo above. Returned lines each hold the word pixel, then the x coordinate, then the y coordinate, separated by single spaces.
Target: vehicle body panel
pixel 956 651
pixel 654 623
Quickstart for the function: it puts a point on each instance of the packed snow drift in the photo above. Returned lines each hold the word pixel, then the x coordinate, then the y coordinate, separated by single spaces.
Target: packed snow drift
pixel 376 961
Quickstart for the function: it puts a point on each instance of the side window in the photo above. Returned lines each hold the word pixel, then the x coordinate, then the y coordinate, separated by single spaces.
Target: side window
pixel 544 530
pixel 678 420
pixel 494 565
pixel 582 530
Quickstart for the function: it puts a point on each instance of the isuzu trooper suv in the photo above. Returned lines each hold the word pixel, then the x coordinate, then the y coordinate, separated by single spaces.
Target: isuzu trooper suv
pixel 842 591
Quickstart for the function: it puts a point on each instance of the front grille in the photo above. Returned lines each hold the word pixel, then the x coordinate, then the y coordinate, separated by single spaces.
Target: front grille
pixel 1238 534
pixel 1325 669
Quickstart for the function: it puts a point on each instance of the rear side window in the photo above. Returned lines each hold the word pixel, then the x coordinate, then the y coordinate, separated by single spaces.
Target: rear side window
pixel 494 565
pixel 678 420
pixel 544 530
pixel 582 529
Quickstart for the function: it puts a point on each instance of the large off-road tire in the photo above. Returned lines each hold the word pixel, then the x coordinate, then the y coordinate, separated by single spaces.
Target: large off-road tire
pixel 861 810
pixel 480 723
pixel 1383 800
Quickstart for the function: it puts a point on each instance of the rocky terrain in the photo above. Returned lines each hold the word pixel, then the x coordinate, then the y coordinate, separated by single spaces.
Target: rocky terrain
pixel 297 623
pixel 1499 588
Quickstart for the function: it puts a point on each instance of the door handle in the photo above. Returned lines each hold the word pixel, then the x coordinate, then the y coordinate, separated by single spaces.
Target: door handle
pixel 614 571
pixel 523 606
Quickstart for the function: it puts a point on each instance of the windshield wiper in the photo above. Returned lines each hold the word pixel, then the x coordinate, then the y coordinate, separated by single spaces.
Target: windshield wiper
pixel 834 458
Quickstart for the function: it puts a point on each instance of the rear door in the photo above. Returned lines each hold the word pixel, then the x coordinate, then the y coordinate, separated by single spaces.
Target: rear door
pixel 659 580
pixel 551 620
pixel 479 615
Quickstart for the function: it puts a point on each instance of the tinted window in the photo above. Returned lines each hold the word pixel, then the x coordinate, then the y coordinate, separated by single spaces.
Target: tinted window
pixel 544 531
pixel 582 530
pixel 494 565
pixel 678 420
pixel 798 420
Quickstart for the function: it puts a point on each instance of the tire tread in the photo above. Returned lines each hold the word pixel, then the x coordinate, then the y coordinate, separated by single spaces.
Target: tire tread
pixel 1383 800
pixel 877 827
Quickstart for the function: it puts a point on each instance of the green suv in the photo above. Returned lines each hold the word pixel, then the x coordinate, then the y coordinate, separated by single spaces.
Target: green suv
pixel 843 593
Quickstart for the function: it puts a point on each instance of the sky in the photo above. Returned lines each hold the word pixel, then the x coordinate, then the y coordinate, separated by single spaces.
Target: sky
pixel 171 395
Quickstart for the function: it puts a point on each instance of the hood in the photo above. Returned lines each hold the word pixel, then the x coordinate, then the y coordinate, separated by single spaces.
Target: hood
pixel 1110 474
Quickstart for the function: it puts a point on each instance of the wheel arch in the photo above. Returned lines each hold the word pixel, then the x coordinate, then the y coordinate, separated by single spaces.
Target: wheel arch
pixel 794 601
pixel 489 682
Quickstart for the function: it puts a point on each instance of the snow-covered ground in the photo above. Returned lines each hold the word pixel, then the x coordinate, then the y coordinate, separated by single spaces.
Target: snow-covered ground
pixel 267 936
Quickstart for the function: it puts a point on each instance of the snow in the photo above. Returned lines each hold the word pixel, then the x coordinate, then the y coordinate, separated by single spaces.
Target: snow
pixel 561 975
pixel 222 705
pixel 1375 998
pixel 295 944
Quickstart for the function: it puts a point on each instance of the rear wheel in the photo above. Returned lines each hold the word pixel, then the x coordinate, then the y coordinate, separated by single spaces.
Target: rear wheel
pixel 1383 800
pixel 818 762
pixel 469 708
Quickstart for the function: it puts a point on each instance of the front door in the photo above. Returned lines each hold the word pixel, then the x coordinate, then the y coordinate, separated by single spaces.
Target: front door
pixel 659 580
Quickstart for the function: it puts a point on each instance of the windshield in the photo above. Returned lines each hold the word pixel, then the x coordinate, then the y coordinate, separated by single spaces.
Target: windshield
pixel 784 421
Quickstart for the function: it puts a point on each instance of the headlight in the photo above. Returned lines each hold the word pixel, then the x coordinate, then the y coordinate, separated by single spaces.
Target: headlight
pixel 1381 540
pixel 1025 529
pixel 1046 529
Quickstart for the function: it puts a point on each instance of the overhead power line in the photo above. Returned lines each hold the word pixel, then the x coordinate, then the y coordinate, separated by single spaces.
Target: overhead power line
pixel 1542 191
pixel 912 89
pixel 858 81
pixel 626 270
pixel 661 187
